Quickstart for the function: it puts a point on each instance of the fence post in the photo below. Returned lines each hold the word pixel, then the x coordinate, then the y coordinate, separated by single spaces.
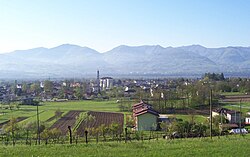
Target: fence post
pixel 70 135
pixel 86 136
pixel 126 134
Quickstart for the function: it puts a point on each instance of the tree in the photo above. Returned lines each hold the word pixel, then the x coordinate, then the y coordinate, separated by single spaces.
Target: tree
pixel 223 86
pixel 12 128
pixel 35 88
pixel 29 128
pixel 104 130
pixel 186 129
pixel 79 93
pixel 114 128
pixel 45 135
pixel 25 87
pixel 55 134
pixel 48 86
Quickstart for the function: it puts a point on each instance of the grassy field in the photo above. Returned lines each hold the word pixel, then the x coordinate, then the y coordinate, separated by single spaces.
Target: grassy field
pixel 196 118
pixel 245 106
pixel 231 93
pixel 225 146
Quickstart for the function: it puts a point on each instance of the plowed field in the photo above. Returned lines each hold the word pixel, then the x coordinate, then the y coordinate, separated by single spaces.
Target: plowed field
pixel 106 118
pixel 67 120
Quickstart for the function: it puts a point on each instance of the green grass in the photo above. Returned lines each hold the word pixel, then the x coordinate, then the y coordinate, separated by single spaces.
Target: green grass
pixel 82 105
pixel 230 146
pixel 245 106
pixel 231 93
pixel 23 111
pixel 196 118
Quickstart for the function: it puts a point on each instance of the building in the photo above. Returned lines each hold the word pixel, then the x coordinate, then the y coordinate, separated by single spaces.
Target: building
pixel 145 117
pixel 234 117
pixel 106 83
pixel 247 121
pixel 129 92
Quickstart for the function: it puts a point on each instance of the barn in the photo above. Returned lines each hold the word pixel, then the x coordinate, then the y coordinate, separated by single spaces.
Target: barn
pixel 145 116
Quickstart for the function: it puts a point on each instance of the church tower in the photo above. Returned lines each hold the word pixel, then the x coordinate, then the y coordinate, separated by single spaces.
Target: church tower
pixel 98 81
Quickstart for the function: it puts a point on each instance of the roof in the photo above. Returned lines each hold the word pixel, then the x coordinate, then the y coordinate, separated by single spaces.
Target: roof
pixel 143 111
pixel 219 110
pixel 142 108
pixel 140 104
pixel 106 78
pixel 225 111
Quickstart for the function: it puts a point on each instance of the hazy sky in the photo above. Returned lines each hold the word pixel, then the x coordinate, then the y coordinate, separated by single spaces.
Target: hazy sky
pixel 105 24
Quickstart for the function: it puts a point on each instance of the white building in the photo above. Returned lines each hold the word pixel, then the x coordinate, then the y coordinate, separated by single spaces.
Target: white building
pixel 106 83
pixel 247 120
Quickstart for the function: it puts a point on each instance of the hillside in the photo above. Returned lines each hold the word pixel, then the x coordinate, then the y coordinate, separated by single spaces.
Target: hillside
pixel 76 61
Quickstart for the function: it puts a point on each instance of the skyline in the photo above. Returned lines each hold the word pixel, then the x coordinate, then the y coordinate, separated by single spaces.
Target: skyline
pixel 104 25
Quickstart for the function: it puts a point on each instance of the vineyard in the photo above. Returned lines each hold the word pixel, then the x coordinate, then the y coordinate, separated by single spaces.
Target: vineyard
pixel 102 118
pixel 68 120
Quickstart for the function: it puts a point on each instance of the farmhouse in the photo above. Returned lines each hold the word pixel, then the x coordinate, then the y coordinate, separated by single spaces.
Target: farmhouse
pixel 247 121
pixel 145 116
pixel 231 115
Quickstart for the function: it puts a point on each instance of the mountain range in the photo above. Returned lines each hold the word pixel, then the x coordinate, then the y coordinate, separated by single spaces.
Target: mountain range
pixel 68 60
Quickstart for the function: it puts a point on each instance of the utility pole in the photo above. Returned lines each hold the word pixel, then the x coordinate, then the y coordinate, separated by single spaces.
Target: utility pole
pixel 38 127
pixel 221 122
pixel 240 118
pixel 211 123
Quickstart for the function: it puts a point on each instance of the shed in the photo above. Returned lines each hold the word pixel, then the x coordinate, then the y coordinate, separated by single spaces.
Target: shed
pixel 145 116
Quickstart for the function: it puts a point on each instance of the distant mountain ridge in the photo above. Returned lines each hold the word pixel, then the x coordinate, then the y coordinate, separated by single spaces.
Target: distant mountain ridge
pixel 75 61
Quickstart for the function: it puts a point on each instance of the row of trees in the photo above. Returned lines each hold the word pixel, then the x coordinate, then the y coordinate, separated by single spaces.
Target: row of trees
pixel 50 90
pixel 185 129
pixel 28 132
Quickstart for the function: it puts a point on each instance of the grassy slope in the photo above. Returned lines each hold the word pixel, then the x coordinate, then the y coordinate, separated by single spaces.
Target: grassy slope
pixel 229 146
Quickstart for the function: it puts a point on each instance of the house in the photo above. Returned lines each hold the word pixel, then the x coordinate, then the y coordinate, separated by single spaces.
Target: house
pixel 165 119
pixel 129 92
pixel 247 121
pixel 145 116
pixel 234 116
pixel 231 115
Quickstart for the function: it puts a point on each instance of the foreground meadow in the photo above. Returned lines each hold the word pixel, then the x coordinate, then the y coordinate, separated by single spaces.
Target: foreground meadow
pixel 224 146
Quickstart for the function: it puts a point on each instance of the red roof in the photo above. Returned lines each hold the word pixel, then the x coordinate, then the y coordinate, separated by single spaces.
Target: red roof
pixel 147 111
pixel 138 104
pixel 142 108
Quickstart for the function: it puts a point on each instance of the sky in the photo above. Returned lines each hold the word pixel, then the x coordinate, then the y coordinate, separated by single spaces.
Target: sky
pixel 105 24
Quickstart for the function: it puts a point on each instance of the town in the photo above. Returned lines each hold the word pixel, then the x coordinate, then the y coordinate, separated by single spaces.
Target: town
pixel 174 108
